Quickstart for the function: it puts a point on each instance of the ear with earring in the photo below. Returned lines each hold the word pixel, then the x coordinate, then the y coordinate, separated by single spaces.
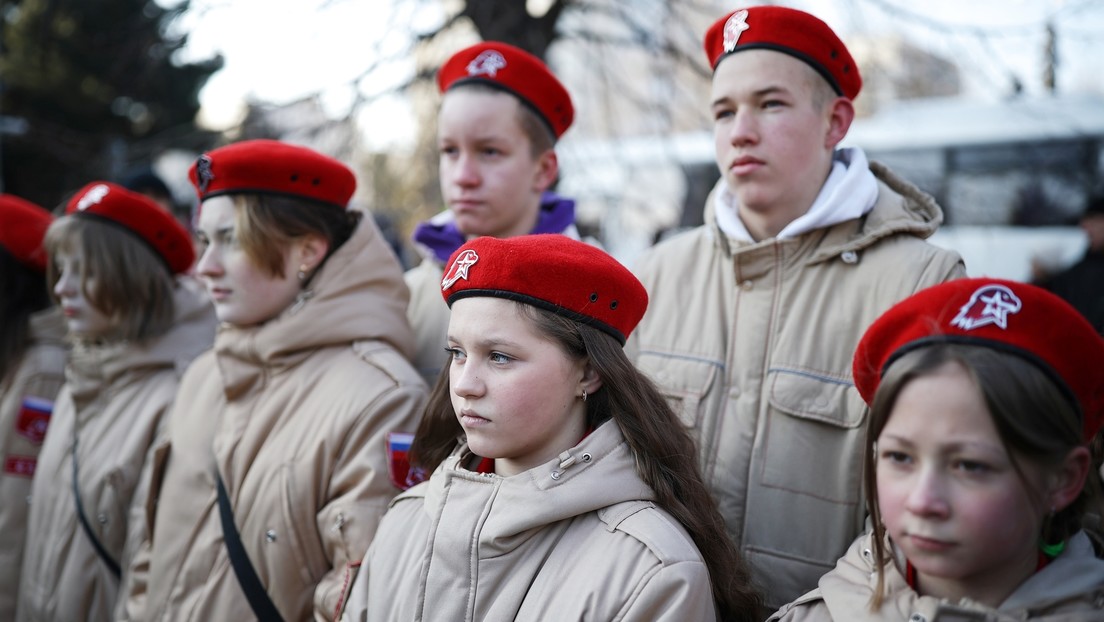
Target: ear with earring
pixel 584 395
pixel 302 273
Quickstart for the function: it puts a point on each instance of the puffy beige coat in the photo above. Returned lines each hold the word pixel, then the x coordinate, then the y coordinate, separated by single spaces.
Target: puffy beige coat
pixel 576 538
pixel 113 402
pixel 27 398
pixel 1069 589
pixel 752 344
pixel 294 414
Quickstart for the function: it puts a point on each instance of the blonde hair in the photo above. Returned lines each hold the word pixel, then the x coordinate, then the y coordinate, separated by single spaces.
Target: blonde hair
pixel 266 225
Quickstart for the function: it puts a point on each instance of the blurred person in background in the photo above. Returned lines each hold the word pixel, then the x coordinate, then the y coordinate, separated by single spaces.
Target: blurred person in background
pixel 275 470
pixel 32 369
pixel 756 313
pixel 1082 284
pixel 115 261
pixel 502 112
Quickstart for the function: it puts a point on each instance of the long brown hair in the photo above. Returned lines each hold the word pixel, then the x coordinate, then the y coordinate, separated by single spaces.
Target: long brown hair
pixel 665 455
pixel 1037 424
pixel 267 224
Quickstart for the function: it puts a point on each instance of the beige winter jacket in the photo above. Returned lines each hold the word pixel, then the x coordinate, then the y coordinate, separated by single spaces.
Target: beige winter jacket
pixel 294 415
pixel 576 538
pixel 27 398
pixel 752 345
pixel 1069 589
pixel 112 405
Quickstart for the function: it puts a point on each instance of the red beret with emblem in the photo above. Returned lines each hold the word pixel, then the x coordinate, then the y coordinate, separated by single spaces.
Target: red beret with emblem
pixel 1013 317
pixel 22 227
pixel 272 167
pixel 789 31
pixel 139 215
pixel 515 71
pixel 551 272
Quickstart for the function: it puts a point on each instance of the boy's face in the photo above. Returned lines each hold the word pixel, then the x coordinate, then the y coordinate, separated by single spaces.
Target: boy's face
pixel 489 177
pixel 773 141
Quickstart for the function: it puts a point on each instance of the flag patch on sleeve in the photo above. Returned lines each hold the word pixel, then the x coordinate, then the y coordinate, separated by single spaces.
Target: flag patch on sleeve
pixel 34 417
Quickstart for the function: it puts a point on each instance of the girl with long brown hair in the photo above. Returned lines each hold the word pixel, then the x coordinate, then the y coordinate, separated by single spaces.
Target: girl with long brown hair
pixel 561 480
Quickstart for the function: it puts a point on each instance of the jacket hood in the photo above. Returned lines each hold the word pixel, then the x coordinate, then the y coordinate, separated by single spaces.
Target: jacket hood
pixel 901 208
pixel 91 366
pixel 847 590
pixel 357 294
pixel 597 473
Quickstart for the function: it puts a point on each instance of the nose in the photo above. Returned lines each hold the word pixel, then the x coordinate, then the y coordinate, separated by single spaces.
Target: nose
pixel 465 171
pixel 464 380
pixel 209 264
pixel 743 130
pixel 928 495
pixel 66 284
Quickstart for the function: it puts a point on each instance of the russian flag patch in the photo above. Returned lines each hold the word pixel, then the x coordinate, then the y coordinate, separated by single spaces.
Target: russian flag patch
pixel 34 417
pixel 23 466
pixel 398 461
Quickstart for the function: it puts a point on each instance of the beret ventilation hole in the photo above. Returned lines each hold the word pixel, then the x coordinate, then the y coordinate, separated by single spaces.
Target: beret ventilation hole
pixel 294 177
pixel 316 181
pixel 594 297
pixel 160 235
pixel 835 54
pixel 613 305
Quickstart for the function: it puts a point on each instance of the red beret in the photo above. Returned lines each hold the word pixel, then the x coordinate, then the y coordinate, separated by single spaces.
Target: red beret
pixel 789 31
pixel 272 167
pixel 552 272
pixel 515 71
pixel 22 227
pixel 1005 315
pixel 139 215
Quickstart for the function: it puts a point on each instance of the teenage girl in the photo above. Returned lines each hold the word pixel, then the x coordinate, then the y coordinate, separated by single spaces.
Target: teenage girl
pixel 115 263
pixel 573 492
pixel 987 399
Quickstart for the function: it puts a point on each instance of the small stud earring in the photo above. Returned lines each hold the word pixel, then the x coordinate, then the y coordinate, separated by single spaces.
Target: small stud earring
pixel 302 273
pixel 584 395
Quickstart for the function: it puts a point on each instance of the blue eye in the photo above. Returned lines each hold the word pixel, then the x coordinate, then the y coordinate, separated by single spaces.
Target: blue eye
pixel 455 353
pixel 500 358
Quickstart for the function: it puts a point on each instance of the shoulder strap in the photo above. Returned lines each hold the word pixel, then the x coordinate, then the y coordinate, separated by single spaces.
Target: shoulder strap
pixel 259 601
pixel 108 560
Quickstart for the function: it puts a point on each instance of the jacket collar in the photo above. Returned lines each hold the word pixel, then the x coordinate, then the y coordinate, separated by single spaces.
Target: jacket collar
pixel 358 294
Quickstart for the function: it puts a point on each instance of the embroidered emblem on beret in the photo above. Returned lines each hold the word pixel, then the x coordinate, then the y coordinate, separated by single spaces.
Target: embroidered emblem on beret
pixel 459 269
pixel 94 195
pixel 989 305
pixel 487 64
pixel 204 174
pixel 733 27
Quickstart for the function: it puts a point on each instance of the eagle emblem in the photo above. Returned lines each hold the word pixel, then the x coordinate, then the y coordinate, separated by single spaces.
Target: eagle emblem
pixel 991 304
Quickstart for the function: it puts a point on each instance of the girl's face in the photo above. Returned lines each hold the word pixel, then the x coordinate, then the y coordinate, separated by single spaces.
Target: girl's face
pixel 515 392
pixel 82 319
pixel 489 178
pixel 949 495
pixel 242 292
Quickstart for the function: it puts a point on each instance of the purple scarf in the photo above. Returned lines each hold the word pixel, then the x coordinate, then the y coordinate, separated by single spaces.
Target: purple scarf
pixel 556 214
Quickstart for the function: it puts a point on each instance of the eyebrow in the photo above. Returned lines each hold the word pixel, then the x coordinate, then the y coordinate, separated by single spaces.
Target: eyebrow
pixel 758 94
pixel 489 343
pixel 951 447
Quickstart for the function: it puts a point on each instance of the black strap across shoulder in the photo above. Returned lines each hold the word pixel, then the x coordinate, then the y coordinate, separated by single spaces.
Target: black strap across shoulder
pixel 108 560
pixel 259 601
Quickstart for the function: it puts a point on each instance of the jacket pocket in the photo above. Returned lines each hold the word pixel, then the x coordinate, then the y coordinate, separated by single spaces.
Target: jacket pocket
pixel 814 436
pixel 686 383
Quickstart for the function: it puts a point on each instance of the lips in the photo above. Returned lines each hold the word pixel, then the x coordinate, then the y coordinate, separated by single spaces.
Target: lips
pixel 70 312
pixel 745 165
pixel 931 545
pixel 469 418
pixel 219 293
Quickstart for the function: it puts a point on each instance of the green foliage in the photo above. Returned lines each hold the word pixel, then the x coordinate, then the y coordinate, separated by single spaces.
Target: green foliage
pixel 98 87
